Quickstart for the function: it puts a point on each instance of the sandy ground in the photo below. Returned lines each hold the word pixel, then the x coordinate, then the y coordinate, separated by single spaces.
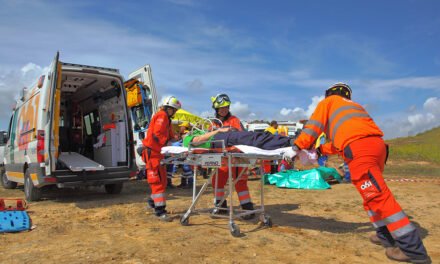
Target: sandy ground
pixel 90 226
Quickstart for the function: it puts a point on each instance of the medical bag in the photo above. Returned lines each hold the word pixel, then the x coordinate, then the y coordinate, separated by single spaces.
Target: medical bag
pixel 134 96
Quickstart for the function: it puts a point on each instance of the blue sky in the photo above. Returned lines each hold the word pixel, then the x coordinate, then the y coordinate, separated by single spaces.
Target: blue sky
pixel 274 59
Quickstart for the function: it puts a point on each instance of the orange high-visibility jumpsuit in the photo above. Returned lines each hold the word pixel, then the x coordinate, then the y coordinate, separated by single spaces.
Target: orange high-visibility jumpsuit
pixel 354 134
pixel 159 132
pixel 223 173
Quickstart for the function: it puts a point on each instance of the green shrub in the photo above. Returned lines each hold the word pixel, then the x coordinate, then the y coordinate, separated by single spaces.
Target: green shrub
pixel 422 147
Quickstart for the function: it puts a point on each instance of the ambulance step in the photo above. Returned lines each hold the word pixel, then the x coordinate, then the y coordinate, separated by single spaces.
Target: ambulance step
pixel 77 162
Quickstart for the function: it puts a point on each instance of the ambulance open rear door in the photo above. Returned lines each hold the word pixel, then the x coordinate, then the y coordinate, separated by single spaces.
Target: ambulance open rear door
pixel 141 114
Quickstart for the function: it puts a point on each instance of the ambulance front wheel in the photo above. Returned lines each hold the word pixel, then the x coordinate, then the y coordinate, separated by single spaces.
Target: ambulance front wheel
pixel 31 192
pixel 7 184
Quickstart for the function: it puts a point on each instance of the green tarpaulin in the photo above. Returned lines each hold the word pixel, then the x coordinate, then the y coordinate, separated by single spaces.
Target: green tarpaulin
pixel 308 179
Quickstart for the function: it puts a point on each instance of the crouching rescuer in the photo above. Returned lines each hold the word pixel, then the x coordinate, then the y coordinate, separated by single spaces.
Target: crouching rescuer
pixel 354 134
pixel 159 133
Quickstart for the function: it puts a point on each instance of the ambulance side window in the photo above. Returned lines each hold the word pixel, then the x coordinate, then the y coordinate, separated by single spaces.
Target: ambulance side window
pixel 3 138
pixel 9 129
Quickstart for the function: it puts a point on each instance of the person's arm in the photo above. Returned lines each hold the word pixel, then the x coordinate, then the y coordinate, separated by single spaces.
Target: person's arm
pixel 314 126
pixel 160 133
pixel 328 149
pixel 203 138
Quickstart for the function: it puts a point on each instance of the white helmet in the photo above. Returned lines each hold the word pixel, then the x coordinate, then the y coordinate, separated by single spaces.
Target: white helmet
pixel 172 101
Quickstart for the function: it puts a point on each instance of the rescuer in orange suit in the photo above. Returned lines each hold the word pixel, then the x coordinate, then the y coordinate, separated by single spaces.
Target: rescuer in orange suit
pixel 159 133
pixel 355 135
pixel 221 104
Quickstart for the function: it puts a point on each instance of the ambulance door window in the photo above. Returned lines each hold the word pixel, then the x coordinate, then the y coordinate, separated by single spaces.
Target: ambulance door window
pixel 88 125
pixel 9 130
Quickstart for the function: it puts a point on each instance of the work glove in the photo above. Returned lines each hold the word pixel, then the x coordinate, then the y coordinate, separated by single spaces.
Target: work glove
pixel 139 150
pixel 289 154
pixel 308 157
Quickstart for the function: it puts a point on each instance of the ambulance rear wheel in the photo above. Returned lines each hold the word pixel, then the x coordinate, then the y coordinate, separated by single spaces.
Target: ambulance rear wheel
pixel 114 188
pixel 7 184
pixel 31 193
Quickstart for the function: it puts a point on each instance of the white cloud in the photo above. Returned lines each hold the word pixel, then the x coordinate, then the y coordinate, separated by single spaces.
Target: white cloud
pixel 242 111
pixel 11 86
pixel 300 74
pixel 401 126
pixel 429 118
pixel 298 113
pixel 206 114
pixel 315 101
pixel 432 105
pixel 293 114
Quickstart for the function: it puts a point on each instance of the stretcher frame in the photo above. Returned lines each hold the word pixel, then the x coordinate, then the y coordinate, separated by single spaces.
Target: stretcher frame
pixel 233 160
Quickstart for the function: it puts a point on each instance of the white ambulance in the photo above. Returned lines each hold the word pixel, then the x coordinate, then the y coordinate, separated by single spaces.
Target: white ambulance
pixel 72 127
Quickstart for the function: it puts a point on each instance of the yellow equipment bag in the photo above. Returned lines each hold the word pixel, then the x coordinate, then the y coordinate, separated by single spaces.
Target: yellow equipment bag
pixel 134 96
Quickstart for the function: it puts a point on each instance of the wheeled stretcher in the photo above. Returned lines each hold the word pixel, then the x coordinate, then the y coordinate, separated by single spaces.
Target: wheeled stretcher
pixel 246 157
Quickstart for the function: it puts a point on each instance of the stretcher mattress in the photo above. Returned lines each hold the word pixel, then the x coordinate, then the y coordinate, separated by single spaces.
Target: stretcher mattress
pixel 168 150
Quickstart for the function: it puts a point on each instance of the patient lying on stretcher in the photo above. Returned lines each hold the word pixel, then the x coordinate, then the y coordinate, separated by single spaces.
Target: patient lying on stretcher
pixel 213 139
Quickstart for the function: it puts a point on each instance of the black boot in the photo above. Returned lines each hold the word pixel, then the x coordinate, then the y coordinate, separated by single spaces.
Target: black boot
pixel 183 183
pixel 384 236
pixel 248 207
pixel 170 184
pixel 205 173
pixel 223 206
pixel 411 245
pixel 190 182
pixel 162 214
pixel 187 183
pixel 150 204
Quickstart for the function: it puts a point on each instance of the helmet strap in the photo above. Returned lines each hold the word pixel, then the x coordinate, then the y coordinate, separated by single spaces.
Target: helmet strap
pixel 165 108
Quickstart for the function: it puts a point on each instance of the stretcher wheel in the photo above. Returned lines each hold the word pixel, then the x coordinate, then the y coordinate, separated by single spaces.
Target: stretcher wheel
pixel 267 221
pixel 235 230
pixel 184 221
